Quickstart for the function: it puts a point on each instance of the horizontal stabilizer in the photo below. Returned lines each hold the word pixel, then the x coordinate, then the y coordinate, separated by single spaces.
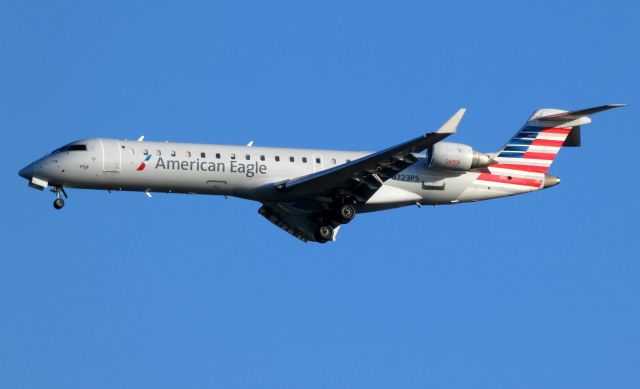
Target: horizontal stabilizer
pixel 573 115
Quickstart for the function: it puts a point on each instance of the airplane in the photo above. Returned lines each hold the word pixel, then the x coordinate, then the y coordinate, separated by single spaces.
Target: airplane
pixel 311 193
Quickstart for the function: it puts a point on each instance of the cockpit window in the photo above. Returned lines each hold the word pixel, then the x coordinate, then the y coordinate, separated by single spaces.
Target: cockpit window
pixel 70 148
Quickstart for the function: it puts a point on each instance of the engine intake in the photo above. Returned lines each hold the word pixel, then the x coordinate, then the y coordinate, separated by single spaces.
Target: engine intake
pixel 456 156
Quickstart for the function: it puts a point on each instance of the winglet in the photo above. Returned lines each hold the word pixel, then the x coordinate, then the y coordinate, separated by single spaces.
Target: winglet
pixel 451 126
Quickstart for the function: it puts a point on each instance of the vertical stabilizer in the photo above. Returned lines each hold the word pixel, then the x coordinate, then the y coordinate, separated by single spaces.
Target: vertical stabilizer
pixel 525 159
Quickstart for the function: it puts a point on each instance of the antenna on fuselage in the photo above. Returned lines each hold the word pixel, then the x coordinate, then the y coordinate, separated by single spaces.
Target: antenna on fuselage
pixel 141 138
pixel 250 143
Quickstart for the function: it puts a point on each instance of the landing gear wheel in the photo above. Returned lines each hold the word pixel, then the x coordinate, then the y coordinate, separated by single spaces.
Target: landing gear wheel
pixel 58 203
pixel 347 212
pixel 324 234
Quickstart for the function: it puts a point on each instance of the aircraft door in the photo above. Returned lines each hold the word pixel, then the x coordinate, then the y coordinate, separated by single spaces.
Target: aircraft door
pixel 111 155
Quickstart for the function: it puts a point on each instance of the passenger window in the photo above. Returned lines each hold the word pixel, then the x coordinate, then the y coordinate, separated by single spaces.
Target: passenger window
pixel 318 160
pixel 277 158
pixel 291 159
pixel 202 155
pixel 304 159
pixel 218 155
pixel 158 153
pixel 348 160
pixel 233 156
pixel 333 161
pixel 189 154
pixel 173 153
pixel 145 152
pixel 262 157
pixel 247 157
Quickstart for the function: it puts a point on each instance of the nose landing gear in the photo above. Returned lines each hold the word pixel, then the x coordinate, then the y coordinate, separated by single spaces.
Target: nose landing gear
pixel 58 203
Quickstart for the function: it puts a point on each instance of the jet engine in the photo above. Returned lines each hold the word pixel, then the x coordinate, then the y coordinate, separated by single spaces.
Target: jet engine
pixel 456 156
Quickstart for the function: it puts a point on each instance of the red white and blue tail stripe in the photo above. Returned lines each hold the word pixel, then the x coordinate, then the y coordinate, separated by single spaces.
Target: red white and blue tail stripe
pixel 525 159
pixel 533 148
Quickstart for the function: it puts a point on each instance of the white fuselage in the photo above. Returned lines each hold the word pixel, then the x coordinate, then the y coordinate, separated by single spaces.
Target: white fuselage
pixel 246 172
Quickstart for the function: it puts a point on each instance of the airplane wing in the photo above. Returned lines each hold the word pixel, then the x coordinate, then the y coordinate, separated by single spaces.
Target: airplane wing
pixel 303 199
pixel 362 177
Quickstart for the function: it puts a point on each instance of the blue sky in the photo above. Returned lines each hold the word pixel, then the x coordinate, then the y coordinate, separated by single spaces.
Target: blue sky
pixel 118 290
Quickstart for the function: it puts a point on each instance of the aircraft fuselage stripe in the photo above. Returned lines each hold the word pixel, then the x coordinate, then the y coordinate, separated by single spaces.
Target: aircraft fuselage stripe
pixel 510 180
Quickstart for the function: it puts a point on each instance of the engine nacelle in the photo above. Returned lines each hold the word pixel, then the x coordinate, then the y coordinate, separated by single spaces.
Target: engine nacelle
pixel 456 156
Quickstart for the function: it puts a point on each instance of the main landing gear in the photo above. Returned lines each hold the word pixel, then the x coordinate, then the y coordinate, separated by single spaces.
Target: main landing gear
pixel 58 203
pixel 344 213
pixel 324 233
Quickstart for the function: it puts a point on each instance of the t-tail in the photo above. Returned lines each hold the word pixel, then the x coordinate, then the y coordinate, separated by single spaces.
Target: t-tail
pixel 526 158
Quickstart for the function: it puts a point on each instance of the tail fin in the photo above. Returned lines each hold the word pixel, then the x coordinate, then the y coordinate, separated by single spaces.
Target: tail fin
pixel 534 147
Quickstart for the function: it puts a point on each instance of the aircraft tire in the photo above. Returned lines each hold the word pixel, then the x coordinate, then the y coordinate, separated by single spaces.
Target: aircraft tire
pixel 324 234
pixel 58 203
pixel 347 212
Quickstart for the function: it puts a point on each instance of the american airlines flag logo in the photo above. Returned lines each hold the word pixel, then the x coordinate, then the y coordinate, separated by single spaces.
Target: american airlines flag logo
pixel 525 159
pixel 143 164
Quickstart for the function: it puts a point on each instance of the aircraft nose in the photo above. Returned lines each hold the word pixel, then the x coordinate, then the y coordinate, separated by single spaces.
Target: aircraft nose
pixel 27 172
